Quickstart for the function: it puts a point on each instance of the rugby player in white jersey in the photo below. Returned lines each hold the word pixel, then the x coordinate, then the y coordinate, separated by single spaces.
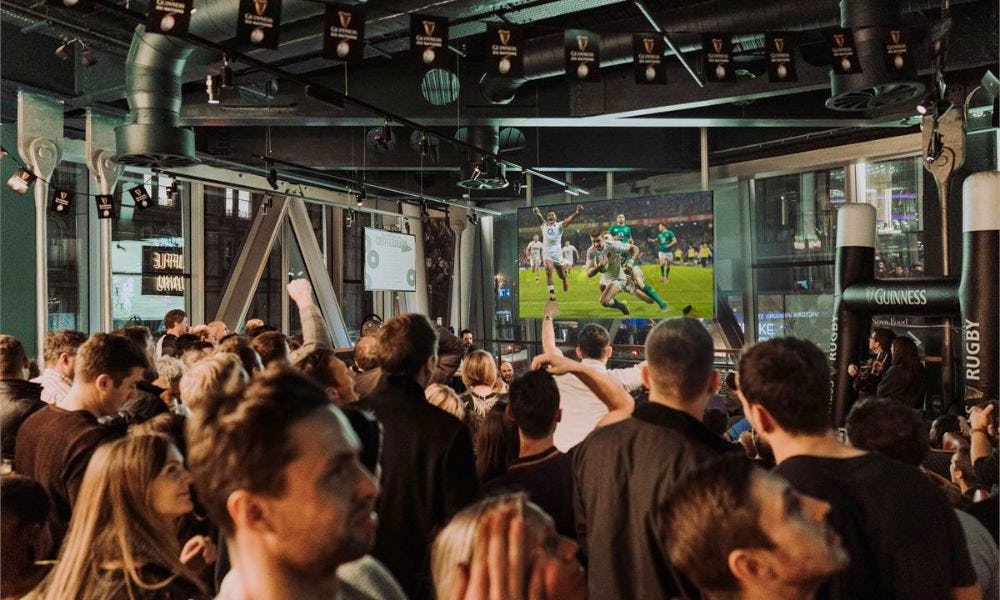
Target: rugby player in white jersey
pixel 552 230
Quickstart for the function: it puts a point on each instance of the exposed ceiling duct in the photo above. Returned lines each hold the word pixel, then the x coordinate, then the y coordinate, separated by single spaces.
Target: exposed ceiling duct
pixel 482 172
pixel 544 56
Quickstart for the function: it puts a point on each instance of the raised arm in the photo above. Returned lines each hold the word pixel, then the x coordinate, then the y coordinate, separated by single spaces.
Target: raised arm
pixel 550 311
pixel 538 213
pixel 620 404
pixel 314 331
pixel 569 219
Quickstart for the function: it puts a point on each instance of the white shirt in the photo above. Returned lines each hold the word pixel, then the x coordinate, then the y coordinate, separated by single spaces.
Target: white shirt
pixel 552 235
pixel 54 384
pixel 568 252
pixel 535 249
pixel 581 409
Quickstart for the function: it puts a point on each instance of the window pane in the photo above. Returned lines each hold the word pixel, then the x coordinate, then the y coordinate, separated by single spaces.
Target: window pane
pixel 356 303
pixel 225 233
pixel 67 251
pixel 895 189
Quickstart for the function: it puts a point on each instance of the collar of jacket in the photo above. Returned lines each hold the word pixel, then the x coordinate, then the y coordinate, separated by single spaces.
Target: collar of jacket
pixel 404 382
pixel 664 416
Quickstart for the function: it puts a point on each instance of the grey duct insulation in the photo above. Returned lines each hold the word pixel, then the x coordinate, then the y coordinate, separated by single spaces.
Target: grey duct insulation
pixel 543 56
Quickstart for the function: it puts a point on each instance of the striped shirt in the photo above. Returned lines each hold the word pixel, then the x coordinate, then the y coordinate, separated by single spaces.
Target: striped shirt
pixel 54 384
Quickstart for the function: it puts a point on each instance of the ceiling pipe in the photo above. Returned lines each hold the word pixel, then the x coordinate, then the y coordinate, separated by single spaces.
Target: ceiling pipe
pixel 543 56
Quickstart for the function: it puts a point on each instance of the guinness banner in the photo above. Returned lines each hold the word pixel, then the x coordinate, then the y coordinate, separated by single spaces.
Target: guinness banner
pixel 429 41
pixel 105 206
pixel 583 55
pixel 169 17
pixel 504 50
pixel 141 197
pixel 258 24
pixel 843 53
pixel 344 33
pixel 62 202
pixel 898 58
pixel 779 49
pixel 647 52
pixel 717 57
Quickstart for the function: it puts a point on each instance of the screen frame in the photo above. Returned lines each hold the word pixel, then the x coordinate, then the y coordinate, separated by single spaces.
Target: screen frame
pixel 365 271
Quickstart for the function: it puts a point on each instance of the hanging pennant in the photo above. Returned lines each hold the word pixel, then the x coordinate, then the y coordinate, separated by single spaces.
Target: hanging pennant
pixel 21 180
pixel 780 48
pixel 62 201
pixel 259 22
pixel 169 17
pixel 429 40
pixel 344 33
pixel 141 197
pixel 105 206
pixel 583 55
pixel 843 54
pixel 647 54
pixel 898 58
pixel 717 57
pixel 504 50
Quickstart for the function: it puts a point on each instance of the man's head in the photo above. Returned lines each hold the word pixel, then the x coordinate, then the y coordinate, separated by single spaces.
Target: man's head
pixel 466 337
pixel 890 428
pixel 13 360
pixel 272 346
pixel 278 471
pixel 662 227
pixel 550 217
pixel 60 350
pixel 881 340
pixel 593 341
pixel 597 239
pixel 784 383
pixel 735 529
pixel 25 511
pixel 111 365
pixel 534 238
pixel 407 345
pixel 175 322
pixel 962 473
pixel 330 372
pixel 222 374
pixel 679 363
pixel 534 404
pixel 620 219
pixel 216 331
pixel 366 353
pixel 506 372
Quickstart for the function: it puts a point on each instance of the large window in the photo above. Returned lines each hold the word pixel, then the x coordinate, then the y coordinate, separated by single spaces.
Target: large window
pixel 228 217
pixel 895 188
pixel 67 251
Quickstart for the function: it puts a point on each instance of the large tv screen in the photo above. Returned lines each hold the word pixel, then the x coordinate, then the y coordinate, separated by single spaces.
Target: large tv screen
pixel 652 257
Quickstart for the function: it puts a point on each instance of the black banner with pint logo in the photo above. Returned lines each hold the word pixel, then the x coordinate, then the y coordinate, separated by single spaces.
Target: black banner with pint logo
pixel 843 54
pixel 429 41
pixel 717 57
pixel 169 17
pixel 583 55
pixel 898 57
pixel 62 202
pixel 647 52
pixel 504 50
pixel 344 33
pixel 259 22
pixel 780 50
pixel 141 197
pixel 105 206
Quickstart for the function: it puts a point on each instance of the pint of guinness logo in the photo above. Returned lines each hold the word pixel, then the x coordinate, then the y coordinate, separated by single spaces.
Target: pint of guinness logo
pixel 429 41
pixel 504 50
pixel 105 206
pixel 582 55
pixel 898 58
pixel 647 55
pixel 259 23
pixel 843 55
pixel 344 33
pixel 62 202
pixel 717 57
pixel 169 17
pixel 779 50
pixel 141 197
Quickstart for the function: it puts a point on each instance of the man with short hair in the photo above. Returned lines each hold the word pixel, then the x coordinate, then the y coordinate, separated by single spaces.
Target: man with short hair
pixel 272 346
pixel 19 398
pixel 428 467
pixel 737 531
pixel 54 444
pixel 622 470
pixel 903 538
pixel 175 324
pixel 507 372
pixel 216 331
pixel 868 376
pixel 581 409
pixel 278 472
pixel 541 470
pixel 467 345
pixel 59 353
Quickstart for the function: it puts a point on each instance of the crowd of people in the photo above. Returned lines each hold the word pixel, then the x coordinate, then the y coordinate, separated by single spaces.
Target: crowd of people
pixel 211 464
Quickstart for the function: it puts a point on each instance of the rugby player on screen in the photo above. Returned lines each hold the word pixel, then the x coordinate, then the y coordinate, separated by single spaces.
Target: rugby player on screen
pixel 552 231
pixel 534 254
pixel 620 231
pixel 615 261
pixel 665 239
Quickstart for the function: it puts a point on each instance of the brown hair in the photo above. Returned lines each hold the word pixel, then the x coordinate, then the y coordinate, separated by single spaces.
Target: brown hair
pixel 107 354
pixel 173 317
pixel 271 346
pixel 405 343
pixel 234 344
pixel 366 353
pixel 323 365
pixel 479 369
pixel 680 357
pixel 791 379
pixel 12 357
pixel 62 341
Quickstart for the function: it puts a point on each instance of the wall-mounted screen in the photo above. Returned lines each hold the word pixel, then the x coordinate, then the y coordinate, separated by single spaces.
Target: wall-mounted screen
pixel 390 261
pixel 645 257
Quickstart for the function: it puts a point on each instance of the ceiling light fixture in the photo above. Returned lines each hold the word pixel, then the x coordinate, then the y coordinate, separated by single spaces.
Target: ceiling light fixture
pixel 272 177
pixel 62 52
pixel 87 56
pixel 360 196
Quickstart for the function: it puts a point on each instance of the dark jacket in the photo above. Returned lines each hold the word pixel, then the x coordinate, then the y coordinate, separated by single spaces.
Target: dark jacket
pixel 621 473
pixel 428 474
pixel 898 384
pixel 18 399
pixel 449 358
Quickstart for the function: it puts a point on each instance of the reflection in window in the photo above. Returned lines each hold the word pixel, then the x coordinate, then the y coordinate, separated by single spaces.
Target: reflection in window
pixel 226 229
pixel 164 187
pixel 67 251
pixel 895 189
pixel 237 203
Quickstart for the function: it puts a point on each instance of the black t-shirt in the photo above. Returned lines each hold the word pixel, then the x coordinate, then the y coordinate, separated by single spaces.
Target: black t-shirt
pixel 547 477
pixel 905 542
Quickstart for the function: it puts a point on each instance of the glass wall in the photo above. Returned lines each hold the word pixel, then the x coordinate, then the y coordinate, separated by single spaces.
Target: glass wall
pixel 356 303
pixel 228 218
pixel 895 188
pixel 68 251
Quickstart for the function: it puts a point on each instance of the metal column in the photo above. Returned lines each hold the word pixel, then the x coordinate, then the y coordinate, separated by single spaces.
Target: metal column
pixel 99 148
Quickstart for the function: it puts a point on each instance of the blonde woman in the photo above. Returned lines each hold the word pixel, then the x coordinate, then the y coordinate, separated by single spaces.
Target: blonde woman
pixel 122 541
pixel 222 373
pixel 508 545
pixel 480 377
pixel 446 399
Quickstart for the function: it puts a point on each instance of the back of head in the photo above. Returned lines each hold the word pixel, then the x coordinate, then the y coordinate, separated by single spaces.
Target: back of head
pixel 24 499
pixel 884 338
pixel 680 357
pixel 106 354
pixel 446 399
pixel 366 353
pixel 942 425
pixel 890 428
pixel 13 360
pixel 716 420
pixel 405 343
pixel 234 344
pixel 479 368
pixel 221 374
pixel 272 346
pixel 166 424
pixel 709 513
pixel 139 334
pixel 185 341
pixel 170 370
pixel 196 353
pixel 534 400
pixel 62 341
pixel 905 353
pixel 791 379
pixel 245 442
pixel 592 340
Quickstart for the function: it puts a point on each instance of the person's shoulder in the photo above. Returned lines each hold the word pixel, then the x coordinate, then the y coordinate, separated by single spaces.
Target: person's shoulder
pixel 609 436
pixel 368 579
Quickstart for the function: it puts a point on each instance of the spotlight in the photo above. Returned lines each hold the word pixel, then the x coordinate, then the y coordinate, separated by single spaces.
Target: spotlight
pixel 212 89
pixel 360 197
pixel 933 107
pixel 926 106
pixel 21 180
pixel 272 178
pixel 383 137
pixel 87 57
pixel 62 52
pixel 226 74
pixel 477 171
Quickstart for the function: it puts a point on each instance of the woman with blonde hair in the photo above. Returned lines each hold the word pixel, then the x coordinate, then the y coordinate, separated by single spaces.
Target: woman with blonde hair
pixel 505 543
pixel 446 399
pixel 122 541
pixel 222 373
pixel 480 376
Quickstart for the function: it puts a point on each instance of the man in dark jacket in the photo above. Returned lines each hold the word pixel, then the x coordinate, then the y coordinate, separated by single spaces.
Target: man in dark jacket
pixel 428 467
pixel 18 396
pixel 624 470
